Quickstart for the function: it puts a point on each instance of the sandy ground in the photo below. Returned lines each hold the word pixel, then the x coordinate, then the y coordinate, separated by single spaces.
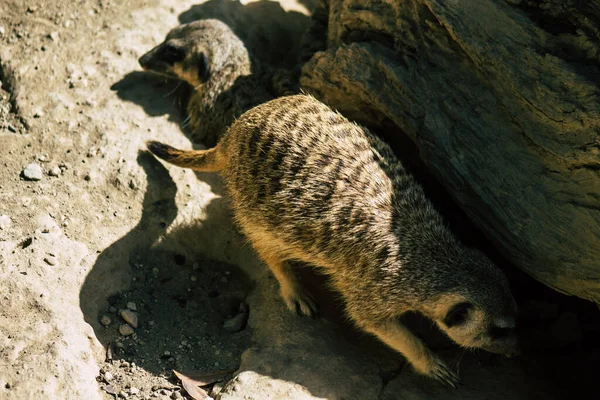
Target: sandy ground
pixel 107 228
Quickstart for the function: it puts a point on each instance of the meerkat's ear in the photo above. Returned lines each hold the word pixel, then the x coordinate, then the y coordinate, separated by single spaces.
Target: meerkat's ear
pixel 203 64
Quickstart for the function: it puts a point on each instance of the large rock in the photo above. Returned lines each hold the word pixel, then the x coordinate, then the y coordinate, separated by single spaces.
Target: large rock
pixel 302 358
pixel 501 98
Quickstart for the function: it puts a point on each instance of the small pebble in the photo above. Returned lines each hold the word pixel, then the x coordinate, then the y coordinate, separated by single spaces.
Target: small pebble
pixel 126 330
pixel 108 376
pixel 131 305
pixel 112 309
pixel 51 260
pixel 41 158
pixel 105 320
pixel 236 323
pixel 2 31
pixel 155 272
pixel 167 353
pixel 32 172
pixel 134 390
pixel 216 389
pixel 176 395
pixel 56 171
pixel 130 317
pixel 53 36
pixel 87 177
pixel 109 389
pixel 38 114
pixel 123 394
pixel 5 222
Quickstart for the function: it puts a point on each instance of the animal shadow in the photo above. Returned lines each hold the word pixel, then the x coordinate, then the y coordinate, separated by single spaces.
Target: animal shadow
pixel 180 296
pixel 270 33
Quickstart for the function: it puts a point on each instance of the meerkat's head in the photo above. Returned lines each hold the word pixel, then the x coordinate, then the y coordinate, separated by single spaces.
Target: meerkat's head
pixel 196 51
pixel 476 309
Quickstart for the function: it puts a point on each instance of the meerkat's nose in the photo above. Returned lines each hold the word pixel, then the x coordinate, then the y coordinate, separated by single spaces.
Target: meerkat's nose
pixel 143 61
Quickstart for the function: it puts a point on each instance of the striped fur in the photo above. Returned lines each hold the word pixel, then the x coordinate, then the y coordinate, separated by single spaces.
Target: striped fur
pixel 307 184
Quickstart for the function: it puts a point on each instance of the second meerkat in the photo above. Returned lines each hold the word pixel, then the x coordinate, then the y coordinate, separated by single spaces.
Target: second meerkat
pixel 307 184
pixel 225 79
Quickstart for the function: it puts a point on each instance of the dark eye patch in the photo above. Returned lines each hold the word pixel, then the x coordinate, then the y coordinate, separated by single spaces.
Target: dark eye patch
pixel 172 54
pixel 202 62
pixel 458 314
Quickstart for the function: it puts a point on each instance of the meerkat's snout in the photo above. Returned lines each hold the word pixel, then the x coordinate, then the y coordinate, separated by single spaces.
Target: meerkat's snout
pixel 484 320
pixel 163 58
pixel 182 55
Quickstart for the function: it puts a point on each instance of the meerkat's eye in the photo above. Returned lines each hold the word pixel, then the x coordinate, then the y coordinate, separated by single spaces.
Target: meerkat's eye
pixel 203 66
pixel 172 53
pixel 458 314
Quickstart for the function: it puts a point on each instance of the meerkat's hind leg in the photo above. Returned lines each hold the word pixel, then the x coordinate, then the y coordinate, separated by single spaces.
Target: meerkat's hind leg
pixel 295 297
pixel 398 337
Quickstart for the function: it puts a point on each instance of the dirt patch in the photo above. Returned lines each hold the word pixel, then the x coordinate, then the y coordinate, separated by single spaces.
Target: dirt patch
pixel 116 230
pixel 182 310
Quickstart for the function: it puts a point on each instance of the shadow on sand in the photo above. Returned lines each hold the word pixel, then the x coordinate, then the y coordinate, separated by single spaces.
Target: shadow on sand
pixel 182 296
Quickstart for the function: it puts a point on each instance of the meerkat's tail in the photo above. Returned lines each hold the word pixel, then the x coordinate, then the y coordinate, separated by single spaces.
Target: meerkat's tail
pixel 199 160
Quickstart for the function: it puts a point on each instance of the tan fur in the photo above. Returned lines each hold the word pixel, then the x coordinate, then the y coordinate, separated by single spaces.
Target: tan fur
pixel 307 184
pixel 225 80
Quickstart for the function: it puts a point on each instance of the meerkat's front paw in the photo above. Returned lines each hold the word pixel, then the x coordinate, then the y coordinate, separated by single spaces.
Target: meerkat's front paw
pixel 300 302
pixel 438 370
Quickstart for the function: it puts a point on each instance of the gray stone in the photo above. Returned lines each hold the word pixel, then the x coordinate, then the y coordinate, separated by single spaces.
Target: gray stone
pixel 5 222
pixel 236 323
pixel 302 358
pixel 32 172
pixel 105 320
pixel 126 330
pixel 55 171
pixel 130 317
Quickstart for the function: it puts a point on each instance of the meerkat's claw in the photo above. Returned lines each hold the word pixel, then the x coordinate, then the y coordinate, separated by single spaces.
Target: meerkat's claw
pixel 442 373
pixel 302 304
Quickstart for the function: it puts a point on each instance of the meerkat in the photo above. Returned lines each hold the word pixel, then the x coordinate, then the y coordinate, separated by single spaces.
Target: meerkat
pixel 225 80
pixel 307 184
